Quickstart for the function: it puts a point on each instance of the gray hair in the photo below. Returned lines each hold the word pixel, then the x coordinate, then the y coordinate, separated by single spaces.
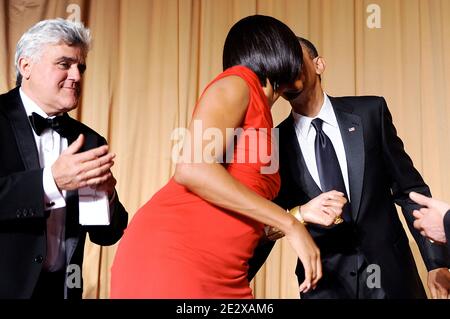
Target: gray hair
pixel 50 32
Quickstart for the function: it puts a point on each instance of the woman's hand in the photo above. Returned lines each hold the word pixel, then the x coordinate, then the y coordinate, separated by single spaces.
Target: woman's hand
pixel 308 253
pixel 324 209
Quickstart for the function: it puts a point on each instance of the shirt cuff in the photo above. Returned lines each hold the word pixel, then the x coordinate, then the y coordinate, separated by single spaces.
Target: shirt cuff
pixel 53 197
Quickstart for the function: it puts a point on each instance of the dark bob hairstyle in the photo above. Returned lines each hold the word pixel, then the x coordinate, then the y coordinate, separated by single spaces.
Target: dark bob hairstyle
pixel 265 45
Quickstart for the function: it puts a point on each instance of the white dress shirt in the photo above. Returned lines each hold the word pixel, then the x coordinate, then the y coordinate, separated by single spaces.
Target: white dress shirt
pixel 306 135
pixel 49 146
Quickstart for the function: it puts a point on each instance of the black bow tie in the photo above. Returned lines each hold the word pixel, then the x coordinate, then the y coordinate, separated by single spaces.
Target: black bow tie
pixel 58 124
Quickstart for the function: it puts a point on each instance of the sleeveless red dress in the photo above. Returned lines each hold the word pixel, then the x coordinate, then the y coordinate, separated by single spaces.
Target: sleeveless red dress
pixel 180 246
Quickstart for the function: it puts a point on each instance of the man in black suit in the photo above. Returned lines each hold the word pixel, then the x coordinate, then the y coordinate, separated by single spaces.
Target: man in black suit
pixel 46 157
pixel 433 219
pixel 367 255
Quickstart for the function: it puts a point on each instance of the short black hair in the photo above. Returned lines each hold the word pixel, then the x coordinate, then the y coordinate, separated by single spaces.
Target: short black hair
pixel 265 45
pixel 312 51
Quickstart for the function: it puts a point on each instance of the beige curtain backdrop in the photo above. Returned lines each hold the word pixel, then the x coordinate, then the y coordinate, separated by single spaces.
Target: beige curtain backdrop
pixel 152 58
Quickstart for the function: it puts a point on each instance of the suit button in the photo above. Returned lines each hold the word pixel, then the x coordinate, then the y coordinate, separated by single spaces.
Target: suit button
pixel 352 273
pixel 39 259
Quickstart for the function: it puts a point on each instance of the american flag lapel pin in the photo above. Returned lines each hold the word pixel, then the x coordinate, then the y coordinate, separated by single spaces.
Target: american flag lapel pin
pixel 351 129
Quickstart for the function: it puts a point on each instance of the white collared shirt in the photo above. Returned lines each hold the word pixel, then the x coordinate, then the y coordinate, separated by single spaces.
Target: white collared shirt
pixel 49 146
pixel 306 135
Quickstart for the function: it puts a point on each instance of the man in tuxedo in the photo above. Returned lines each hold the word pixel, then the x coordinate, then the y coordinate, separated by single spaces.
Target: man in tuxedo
pixel 46 157
pixel 351 145
pixel 433 219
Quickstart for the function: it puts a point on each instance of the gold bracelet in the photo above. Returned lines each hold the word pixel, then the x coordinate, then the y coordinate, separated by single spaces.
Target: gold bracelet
pixel 297 214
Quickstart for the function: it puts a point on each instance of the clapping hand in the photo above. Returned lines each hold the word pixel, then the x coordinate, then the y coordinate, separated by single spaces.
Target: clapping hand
pixel 74 170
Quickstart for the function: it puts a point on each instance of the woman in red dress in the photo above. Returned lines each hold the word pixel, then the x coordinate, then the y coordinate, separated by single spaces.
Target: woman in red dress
pixel 194 237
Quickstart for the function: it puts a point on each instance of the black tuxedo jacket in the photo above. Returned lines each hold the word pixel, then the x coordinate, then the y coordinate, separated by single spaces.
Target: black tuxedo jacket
pixel 22 214
pixel 381 174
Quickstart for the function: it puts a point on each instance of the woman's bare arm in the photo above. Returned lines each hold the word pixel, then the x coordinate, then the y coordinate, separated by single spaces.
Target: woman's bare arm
pixel 223 106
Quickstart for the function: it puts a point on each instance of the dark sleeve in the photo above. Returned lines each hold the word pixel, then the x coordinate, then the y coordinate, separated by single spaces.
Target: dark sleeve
pixel 21 196
pixel 447 229
pixel 405 179
pixel 109 235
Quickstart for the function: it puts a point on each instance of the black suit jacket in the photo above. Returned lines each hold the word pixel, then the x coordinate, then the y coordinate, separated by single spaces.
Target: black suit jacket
pixel 22 214
pixel 381 174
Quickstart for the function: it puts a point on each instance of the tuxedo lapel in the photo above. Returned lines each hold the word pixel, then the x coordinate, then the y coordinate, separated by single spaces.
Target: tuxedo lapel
pixel 22 130
pixel 299 170
pixel 351 129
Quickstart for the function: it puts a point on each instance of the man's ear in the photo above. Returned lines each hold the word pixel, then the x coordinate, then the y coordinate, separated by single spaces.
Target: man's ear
pixel 25 67
pixel 319 65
